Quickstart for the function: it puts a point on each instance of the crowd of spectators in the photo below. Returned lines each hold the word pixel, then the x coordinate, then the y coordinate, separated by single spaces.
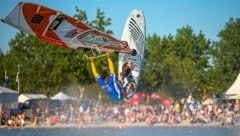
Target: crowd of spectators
pixel 178 112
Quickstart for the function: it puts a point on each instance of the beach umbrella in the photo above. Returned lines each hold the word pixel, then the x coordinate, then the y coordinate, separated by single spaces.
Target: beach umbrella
pixel 165 102
pixel 136 98
pixel 134 102
pixel 154 96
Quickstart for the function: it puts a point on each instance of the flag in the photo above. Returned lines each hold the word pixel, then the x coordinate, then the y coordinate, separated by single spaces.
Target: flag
pixel 6 80
pixel 17 77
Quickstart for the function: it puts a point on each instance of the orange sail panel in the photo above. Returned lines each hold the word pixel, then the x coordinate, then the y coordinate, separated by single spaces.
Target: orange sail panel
pixel 60 29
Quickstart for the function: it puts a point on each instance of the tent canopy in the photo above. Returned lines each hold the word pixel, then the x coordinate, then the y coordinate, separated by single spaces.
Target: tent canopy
pixel 62 97
pixel 8 98
pixel 233 91
pixel 25 97
pixel 6 90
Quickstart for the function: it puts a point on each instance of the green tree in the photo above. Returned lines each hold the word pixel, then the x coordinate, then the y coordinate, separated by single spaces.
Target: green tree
pixel 100 23
pixel 192 51
pixel 14 57
pixel 81 15
pixel 152 64
pixel 2 70
pixel 177 65
pixel 226 57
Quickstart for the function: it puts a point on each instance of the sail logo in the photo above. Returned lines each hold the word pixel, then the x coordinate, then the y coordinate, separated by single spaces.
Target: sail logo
pixel 37 19
pixel 56 22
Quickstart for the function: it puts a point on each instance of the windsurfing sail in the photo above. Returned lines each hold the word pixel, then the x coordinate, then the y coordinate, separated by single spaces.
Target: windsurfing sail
pixel 60 29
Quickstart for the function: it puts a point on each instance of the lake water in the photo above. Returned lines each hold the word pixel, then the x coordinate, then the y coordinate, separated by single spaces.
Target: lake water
pixel 131 131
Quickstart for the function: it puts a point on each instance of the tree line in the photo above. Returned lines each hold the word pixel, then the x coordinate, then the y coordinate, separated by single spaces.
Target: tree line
pixel 174 65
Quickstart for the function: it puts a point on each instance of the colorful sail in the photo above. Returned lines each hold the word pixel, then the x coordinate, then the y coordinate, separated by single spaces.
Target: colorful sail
pixel 60 29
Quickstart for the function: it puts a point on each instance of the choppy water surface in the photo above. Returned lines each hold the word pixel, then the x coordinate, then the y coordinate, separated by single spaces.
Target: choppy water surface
pixel 131 131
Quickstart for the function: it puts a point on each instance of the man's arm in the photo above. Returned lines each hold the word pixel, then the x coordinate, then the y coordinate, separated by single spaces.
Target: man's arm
pixel 94 70
pixel 110 64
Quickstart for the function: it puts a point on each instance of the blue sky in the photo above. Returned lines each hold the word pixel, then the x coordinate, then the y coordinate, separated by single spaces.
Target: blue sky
pixel 162 16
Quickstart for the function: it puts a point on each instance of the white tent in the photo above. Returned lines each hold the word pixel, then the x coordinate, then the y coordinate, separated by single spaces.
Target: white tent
pixel 233 91
pixel 25 97
pixel 62 96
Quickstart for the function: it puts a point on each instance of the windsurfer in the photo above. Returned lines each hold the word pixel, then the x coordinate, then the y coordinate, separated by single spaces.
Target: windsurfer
pixel 107 80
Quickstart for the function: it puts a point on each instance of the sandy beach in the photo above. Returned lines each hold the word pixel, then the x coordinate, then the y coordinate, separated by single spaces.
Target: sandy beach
pixel 109 124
